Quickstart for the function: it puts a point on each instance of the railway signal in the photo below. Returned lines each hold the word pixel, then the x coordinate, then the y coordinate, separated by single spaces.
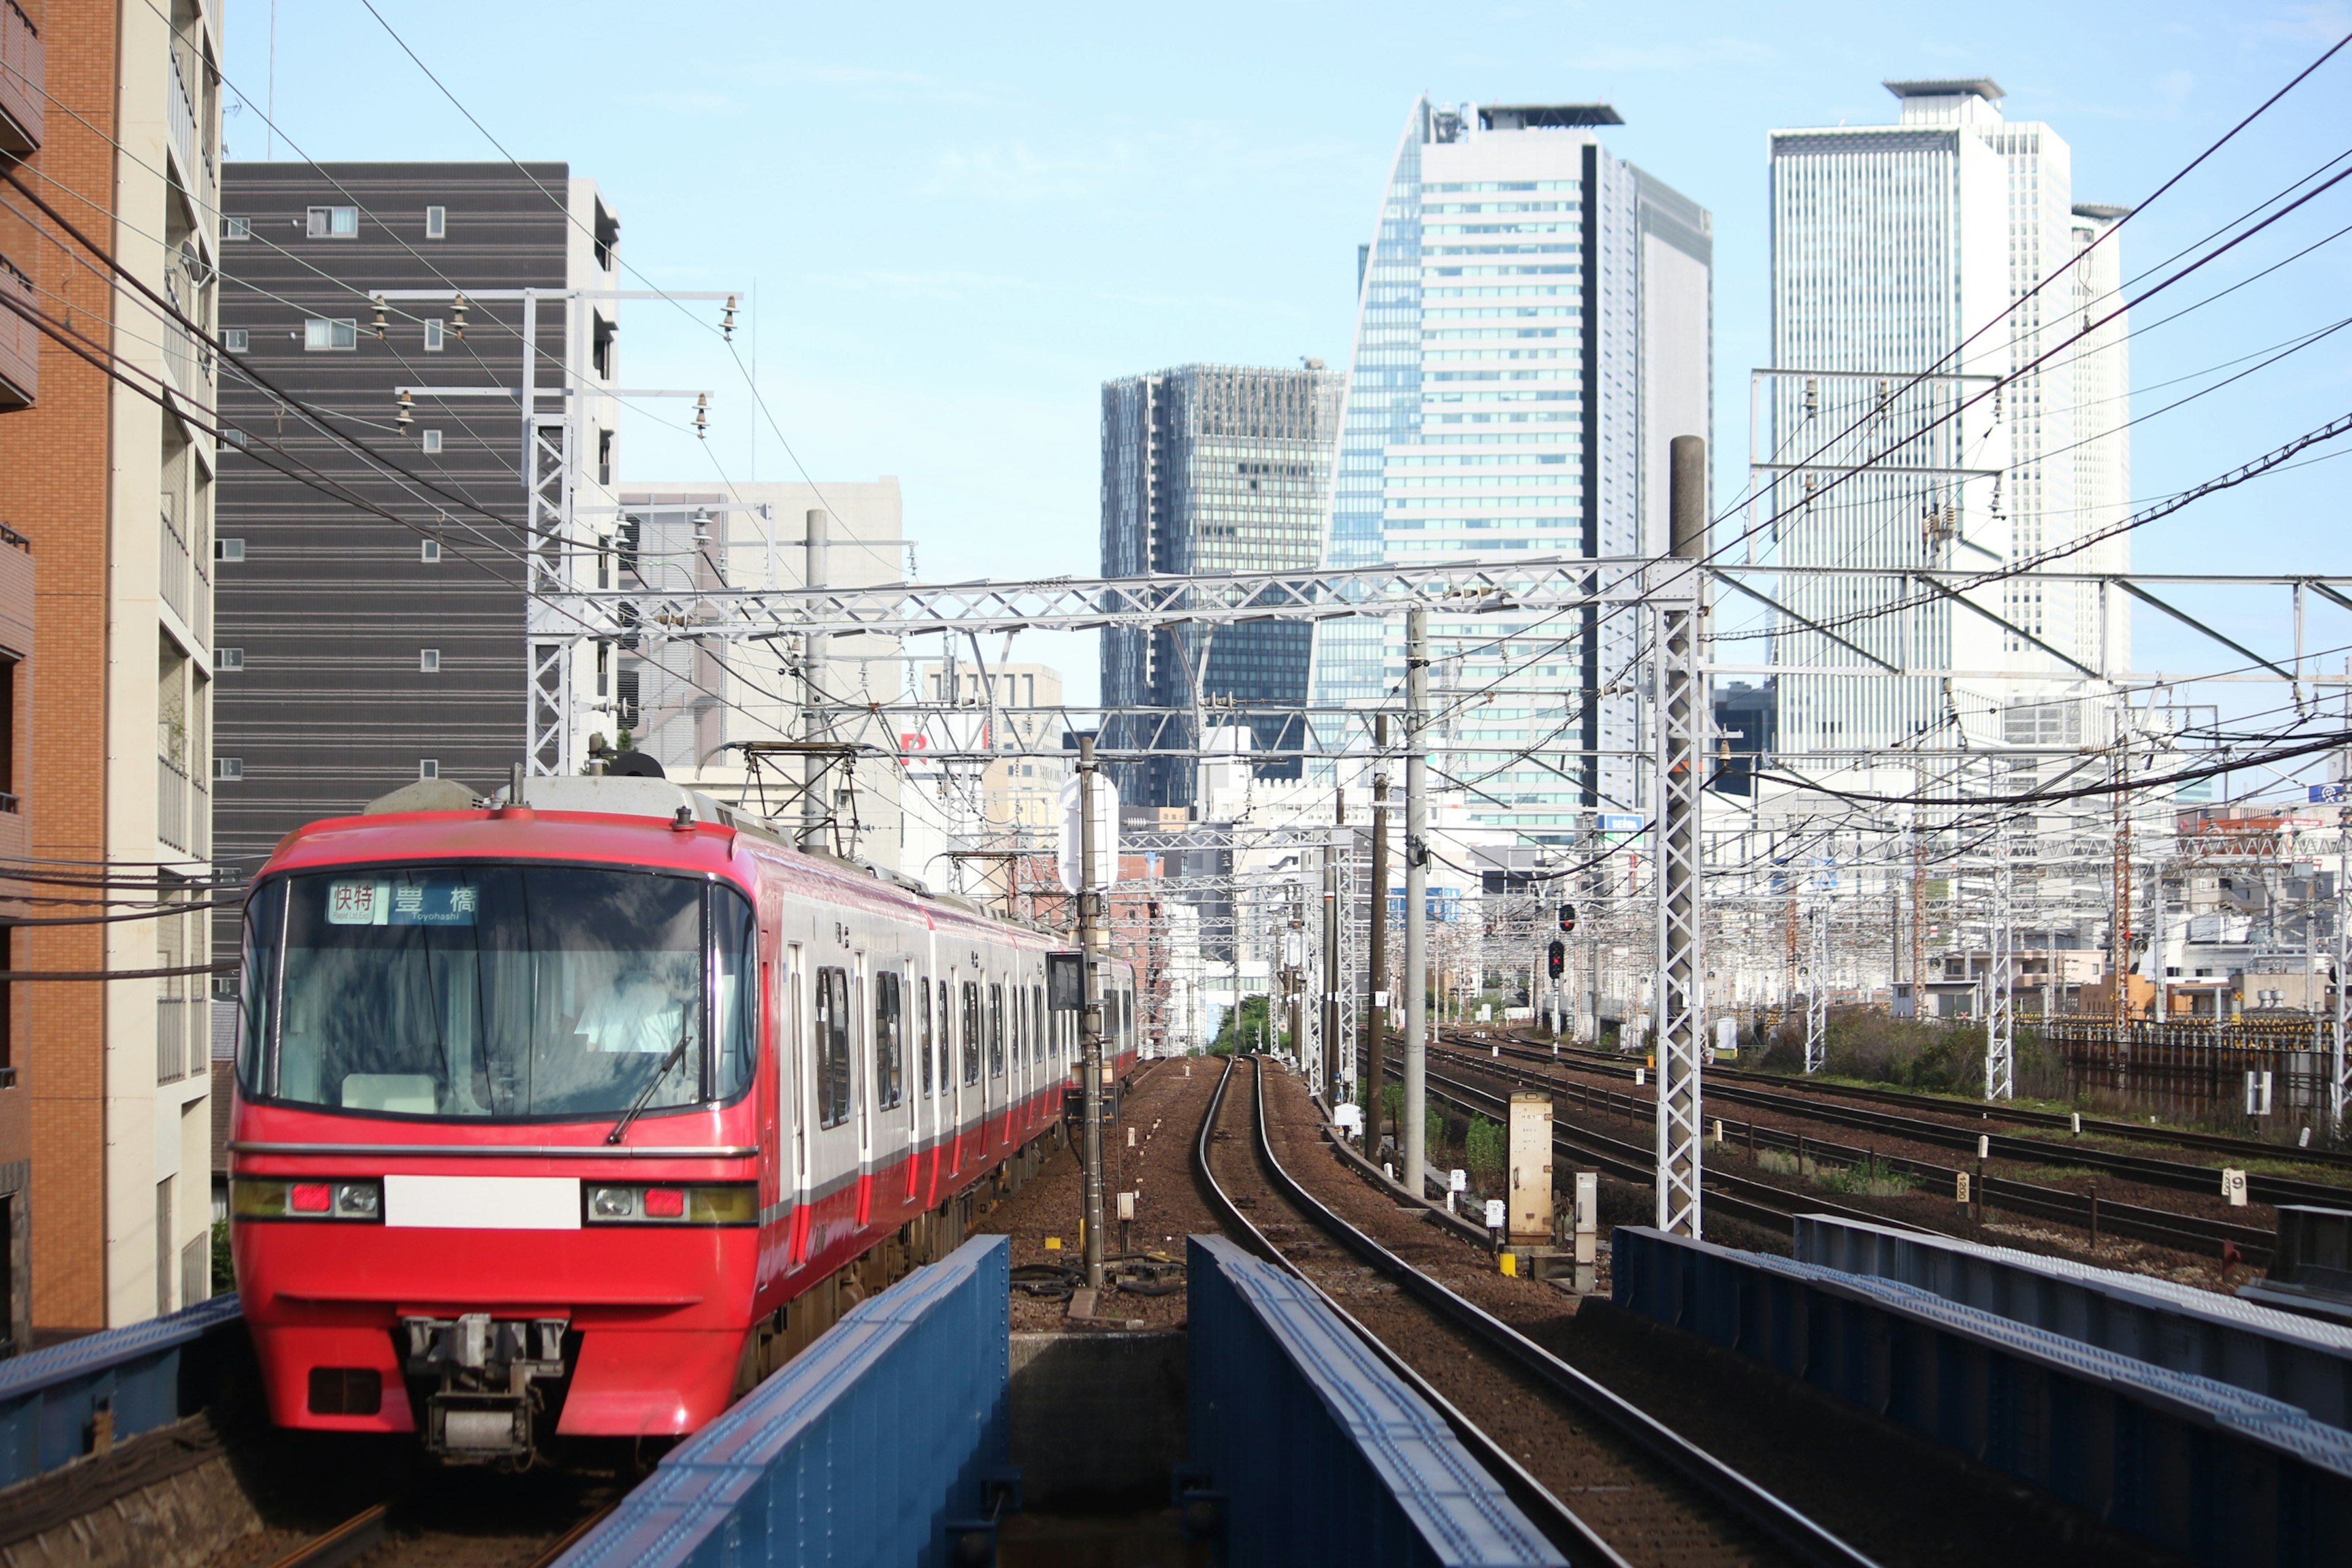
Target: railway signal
pixel 1566 921
pixel 1555 959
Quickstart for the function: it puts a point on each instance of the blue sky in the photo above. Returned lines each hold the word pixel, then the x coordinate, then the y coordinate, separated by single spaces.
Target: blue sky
pixel 958 221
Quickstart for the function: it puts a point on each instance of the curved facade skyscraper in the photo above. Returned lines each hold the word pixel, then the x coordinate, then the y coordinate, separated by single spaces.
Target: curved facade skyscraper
pixel 1533 329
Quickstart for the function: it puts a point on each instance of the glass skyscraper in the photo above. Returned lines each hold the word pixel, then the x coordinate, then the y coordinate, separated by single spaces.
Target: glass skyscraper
pixel 1212 469
pixel 1896 249
pixel 1533 329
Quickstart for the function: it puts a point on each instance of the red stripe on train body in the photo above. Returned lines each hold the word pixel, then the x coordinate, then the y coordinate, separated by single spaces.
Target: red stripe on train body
pixel 541 1113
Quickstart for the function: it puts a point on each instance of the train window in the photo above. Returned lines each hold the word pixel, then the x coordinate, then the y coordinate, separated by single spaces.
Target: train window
pixel 889 1041
pixel 736 934
pixel 971 1031
pixel 486 991
pixel 996 1031
pixel 833 1077
pixel 1038 1011
pixel 258 987
pixel 924 988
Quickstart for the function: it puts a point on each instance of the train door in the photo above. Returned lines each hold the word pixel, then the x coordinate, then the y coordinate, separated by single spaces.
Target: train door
pixel 861 1020
pixel 792 1109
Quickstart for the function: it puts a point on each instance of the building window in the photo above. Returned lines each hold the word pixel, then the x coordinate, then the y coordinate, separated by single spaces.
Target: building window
pixel 433 329
pixel 431 440
pixel 236 228
pixel 428 659
pixel 430 553
pixel 227 658
pixel 428 767
pixel 228 549
pixel 235 339
pixel 232 437
pixel 833 1075
pixel 228 770
pixel 320 335
pixel 333 223
pixel 436 223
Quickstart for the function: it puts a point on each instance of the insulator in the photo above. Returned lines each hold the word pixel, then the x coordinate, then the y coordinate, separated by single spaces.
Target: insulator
pixel 407 409
pixel 701 415
pixel 382 321
pixel 727 325
pixel 457 318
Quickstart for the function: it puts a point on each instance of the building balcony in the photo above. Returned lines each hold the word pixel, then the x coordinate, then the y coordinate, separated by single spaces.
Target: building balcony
pixel 183 810
pixel 20 340
pixel 24 76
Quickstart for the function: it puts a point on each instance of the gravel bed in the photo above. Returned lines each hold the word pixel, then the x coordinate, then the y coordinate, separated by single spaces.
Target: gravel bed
pixel 1164 1104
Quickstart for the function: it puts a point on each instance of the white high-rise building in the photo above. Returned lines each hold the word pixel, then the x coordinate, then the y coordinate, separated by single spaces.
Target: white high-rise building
pixel 1905 261
pixel 1533 330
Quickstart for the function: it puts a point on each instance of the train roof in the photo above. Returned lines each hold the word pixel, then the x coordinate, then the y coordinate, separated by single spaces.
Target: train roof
pixel 574 817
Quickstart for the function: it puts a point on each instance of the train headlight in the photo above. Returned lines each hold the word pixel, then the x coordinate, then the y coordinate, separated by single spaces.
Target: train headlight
pixel 668 1204
pixel 252 1197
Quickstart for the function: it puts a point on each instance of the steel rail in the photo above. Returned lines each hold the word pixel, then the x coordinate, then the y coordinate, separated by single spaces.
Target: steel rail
pixel 2219 1142
pixel 1793 1532
pixel 2176 1174
pixel 1558 1522
pixel 2186 1233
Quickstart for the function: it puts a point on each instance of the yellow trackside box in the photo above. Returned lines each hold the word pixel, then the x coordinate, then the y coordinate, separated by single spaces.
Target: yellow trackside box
pixel 1530 1210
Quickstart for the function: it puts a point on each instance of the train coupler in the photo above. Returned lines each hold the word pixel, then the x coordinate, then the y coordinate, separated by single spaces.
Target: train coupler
pixel 483 1408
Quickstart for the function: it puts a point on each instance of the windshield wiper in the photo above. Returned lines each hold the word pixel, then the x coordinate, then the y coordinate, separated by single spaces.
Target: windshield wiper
pixel 677 1052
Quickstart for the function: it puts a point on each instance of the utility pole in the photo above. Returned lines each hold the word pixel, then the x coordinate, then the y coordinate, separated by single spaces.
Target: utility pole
pixel 1416 899
pixel 2001 1039
pixel 1680 1000
pixel 814 808
pixel 1090 1017
pixel 2337 1084
pixel 1327 1068
pixel 1376 1021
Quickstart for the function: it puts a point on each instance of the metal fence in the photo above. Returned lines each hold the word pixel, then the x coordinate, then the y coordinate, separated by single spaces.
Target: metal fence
pixel 60 1404
pixel 2206 1470
pixel 1286 1405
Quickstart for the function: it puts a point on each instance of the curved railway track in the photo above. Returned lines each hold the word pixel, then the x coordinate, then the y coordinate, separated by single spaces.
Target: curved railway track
pixel 1647 1498
pixel 1759 1202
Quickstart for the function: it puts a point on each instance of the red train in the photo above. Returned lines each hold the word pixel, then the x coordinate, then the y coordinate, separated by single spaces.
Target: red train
pixel 573 1118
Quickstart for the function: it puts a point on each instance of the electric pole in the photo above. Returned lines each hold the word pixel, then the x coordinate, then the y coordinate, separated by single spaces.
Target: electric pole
pixel 1680 1000
pixel 1090 1017
pixel 1416 896
pixel 814 807
pixel 1376 1023
pixel 1326 1066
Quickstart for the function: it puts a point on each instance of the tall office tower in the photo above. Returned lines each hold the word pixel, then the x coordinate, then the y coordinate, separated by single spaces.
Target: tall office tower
pixel 1906 265
pixel 358 653
pixel 1533 330
pixel 1212 469
pixel 110 249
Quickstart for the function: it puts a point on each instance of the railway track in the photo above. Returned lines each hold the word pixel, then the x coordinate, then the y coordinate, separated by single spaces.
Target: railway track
pixel 1730 1081
pixel 1763 1202
pixel 381 1534
pixel 1644 1496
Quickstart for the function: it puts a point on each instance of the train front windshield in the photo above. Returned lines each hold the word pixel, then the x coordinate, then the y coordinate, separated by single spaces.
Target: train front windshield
pixel 507 992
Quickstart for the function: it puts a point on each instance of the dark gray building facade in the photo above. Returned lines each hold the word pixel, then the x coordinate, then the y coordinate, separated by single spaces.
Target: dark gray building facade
pixel 357 653
pixel 1212 469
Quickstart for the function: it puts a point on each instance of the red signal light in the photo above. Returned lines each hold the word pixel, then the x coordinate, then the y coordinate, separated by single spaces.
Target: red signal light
pixel 665 1202
pixel 310 1197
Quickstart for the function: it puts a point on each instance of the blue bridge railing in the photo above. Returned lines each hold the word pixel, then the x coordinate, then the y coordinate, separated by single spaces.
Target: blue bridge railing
pixel 56 1403
pixel 875 1445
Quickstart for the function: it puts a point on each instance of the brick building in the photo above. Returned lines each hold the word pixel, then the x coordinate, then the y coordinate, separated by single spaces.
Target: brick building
pixel 110 128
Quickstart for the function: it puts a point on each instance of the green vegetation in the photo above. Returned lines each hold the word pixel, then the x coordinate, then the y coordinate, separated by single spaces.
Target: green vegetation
pixel 1484 1150
pixel 223 1269
pixel 1253 1031
pixel 1873 1178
